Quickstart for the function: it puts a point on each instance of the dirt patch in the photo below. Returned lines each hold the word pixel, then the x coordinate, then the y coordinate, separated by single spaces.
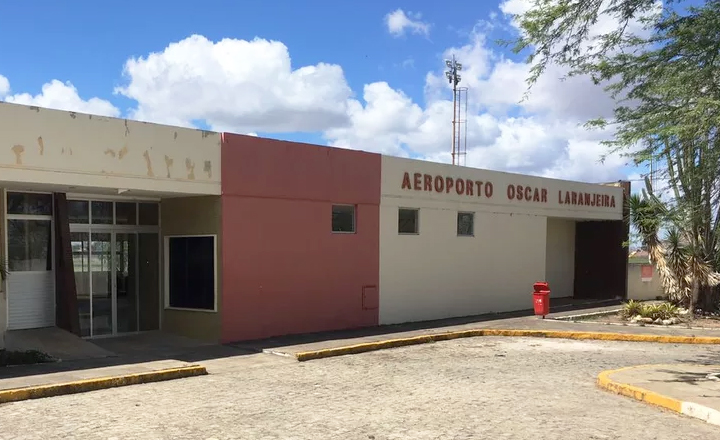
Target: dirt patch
pixel 616 318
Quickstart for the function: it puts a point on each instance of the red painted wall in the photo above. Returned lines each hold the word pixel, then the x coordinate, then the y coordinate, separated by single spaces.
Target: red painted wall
pixel 284 271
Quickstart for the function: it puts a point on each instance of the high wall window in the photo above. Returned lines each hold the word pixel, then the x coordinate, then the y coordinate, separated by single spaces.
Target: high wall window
pixel 190 272
pixel 123 213
pixel 466 224
pixel 343 218
pixel 29 232
pixel 408 220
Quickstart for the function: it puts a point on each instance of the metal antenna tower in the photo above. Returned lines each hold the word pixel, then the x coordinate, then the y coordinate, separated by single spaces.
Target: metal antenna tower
pixel 459 121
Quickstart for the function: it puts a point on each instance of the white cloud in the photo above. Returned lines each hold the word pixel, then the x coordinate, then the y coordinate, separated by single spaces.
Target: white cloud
pixel 251 86
pixel 60 96
pixel 398 23
pixel 543 137
pixel 236 85
pixel 4 86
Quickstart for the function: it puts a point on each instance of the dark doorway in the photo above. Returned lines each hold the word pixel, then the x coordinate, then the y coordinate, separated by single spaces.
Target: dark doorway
pixel 601 257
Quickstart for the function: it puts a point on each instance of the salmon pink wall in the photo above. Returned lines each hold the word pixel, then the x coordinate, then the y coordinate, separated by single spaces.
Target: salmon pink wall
pixel 284 271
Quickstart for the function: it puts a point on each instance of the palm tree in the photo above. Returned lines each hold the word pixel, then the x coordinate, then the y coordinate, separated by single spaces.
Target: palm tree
pixel 679 259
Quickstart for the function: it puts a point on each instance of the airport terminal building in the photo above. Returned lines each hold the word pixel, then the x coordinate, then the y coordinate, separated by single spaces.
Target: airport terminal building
pixel 110 226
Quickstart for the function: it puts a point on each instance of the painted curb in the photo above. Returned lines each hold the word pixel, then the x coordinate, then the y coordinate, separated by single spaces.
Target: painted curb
pixel 82 386
pixel 584 315
pixel 556 334
pixel 689 409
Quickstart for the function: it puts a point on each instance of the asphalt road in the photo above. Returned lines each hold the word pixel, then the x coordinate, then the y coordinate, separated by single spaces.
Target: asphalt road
pixel 480 388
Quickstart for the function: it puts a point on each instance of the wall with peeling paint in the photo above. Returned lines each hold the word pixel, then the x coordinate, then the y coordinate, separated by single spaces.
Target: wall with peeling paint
pixel 68 149
pixel 193 216
pixel 3 295
pixel 284 270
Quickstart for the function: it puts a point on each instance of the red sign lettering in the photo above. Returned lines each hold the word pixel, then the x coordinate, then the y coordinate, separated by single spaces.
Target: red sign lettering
pixel 521 193
pixel 527 193
pixel 446 184
pixel 586 199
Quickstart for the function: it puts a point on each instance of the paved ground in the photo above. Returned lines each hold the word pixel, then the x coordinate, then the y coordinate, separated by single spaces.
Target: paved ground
pixel 495 388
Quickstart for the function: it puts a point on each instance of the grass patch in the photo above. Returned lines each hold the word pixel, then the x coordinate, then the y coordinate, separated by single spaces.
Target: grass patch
pixel 8 358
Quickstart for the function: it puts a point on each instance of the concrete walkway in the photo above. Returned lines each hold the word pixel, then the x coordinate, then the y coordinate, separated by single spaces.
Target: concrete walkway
pixel 291 345
pixel 83 374
pixel 157 351
pixel 86 366
pixel 689 389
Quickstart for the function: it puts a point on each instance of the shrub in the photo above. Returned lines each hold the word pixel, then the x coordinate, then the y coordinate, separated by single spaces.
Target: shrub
pixel 668 310
pixel 659 311
pixel 632 308
pixel 652 311
pixel 8 358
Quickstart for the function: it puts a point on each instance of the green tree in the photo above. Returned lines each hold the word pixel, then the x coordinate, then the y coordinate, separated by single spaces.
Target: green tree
pixel 661 64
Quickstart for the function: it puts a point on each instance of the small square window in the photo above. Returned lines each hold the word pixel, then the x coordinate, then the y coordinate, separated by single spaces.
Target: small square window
pixel 466 224
pixel 148 213
pixel 29 203
pixel 343 218
pixel 408 221
pixel 102 213
pixel 78 211
pixel 125 213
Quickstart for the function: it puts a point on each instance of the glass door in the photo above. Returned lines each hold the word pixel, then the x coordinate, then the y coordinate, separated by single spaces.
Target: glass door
pixel 126 264
pixel 101 276
pixel 80 244
pixel 115 248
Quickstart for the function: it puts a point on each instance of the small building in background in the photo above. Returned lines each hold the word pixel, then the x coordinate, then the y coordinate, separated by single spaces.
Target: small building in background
pixel 111 226
pixel 643 282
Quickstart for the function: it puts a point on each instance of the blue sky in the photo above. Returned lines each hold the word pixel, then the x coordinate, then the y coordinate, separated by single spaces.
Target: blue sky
pixel 88 42
pixel 389 96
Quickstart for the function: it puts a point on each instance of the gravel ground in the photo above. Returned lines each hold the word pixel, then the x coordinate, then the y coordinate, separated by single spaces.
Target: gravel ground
pixel 706 323
pixel 480 388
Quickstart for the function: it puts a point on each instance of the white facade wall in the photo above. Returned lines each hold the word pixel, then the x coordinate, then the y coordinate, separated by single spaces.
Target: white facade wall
pixel 560 257
pixel 80 152
pixel 3 283
pixel 436 274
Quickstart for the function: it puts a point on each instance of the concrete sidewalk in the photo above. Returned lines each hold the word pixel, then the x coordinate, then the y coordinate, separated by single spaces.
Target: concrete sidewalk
pixel 15 389
pixel 82 374
pixel 292 345
pixel 689 389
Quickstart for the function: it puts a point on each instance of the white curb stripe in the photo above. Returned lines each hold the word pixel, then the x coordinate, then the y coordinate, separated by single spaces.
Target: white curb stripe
pixel 701 412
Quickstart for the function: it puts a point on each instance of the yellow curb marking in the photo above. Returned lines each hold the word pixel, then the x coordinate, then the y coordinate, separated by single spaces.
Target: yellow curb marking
pixel 637 393
pixel 423 339
pixel 81 386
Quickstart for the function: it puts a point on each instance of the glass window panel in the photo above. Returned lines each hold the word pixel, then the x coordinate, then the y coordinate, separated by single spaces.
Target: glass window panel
pixel 79 211
pixel 149 281
pixel 102 213
pixel 408 221
pixel 149 214
pixel 191 272
pixel 343 218
pixel 465 223
pixel 29 245
pixel 101 279
pixel 79 242
pixel 125 213
pixel 126 282
pixel 29 203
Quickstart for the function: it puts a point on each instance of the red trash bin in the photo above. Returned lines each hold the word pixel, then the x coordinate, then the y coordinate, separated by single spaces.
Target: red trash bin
pixel 541 298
